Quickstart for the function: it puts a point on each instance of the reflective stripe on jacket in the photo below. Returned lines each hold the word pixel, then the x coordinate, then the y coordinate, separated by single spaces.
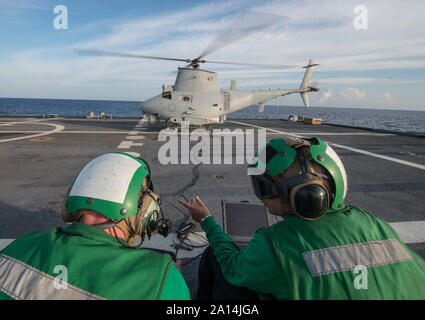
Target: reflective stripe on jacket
pixel 348 254
pixel 84 262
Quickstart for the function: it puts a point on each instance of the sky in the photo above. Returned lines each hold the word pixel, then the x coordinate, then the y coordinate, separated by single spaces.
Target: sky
pixel 381 66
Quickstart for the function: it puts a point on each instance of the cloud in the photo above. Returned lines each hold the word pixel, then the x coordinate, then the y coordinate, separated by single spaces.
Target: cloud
pixel 24 4
pixel 153 31
pixel 325 95
pixel 313 28
pixel 320 29
pixel 352 94
pixel 389 98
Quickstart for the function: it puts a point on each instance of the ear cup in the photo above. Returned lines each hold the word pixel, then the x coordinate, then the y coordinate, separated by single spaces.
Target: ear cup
pixel 152 225
pixel 164 227
pixel 311 202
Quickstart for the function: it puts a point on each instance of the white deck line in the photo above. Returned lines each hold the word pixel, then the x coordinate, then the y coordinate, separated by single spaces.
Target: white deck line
pixel 94 132
pixel 372 154
pixel 39 131
pixel 5 242
pixel 29 120
pixel 410 231
pixel 137 132
pixel 342 134
pixel 57 129
pixel 406 163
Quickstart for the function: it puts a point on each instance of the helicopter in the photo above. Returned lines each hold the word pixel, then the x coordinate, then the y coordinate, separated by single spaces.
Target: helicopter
pixel 196 97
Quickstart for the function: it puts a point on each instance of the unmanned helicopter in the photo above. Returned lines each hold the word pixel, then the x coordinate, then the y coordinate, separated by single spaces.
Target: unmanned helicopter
pixel 196 97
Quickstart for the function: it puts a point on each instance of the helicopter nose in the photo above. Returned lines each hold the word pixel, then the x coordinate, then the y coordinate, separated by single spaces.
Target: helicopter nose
pixel 145 106
pixel 148 106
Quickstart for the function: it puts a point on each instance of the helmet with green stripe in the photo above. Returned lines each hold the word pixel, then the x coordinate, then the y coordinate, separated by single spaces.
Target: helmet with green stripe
pixel 110 184
pixel 308 191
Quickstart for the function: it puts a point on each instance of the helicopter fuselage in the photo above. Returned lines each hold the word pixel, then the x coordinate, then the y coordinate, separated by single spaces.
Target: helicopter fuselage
pixel 207 107
pixel 196 97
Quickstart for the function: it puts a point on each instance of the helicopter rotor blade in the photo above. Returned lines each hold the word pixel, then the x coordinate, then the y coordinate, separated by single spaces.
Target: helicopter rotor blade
pixel 248 23
pixel 258 65
pixel 100 53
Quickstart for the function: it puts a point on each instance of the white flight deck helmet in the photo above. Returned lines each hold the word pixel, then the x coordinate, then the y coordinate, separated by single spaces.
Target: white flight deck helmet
pixel 111 185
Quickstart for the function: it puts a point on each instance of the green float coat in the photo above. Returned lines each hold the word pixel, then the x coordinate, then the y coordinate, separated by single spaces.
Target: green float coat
pixel 97 264
pixel 272 264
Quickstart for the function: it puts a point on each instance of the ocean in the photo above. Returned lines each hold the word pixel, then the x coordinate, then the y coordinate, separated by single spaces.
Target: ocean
pixel 403 121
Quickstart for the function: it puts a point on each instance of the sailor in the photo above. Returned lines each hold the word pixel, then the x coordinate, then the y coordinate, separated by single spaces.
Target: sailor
pixel 110 205
pixel 322 249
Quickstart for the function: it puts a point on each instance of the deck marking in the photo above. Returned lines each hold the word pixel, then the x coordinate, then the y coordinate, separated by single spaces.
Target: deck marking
pixel 42 139
pixel 133 136
pixel 98 132
pixel 57 129
pixel 410 231
pixel 342 134
pixel 3 131
pixel 407 163
pixel 5 242
pixel 128 144
pixel 372 154
pixel 70 131
pixel 31 120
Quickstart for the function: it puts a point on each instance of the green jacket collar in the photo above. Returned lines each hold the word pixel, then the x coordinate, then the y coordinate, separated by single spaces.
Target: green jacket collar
pixel 91 232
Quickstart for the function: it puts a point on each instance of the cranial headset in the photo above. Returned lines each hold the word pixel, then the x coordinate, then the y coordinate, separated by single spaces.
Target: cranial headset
pixel 153 221
pixel 306 193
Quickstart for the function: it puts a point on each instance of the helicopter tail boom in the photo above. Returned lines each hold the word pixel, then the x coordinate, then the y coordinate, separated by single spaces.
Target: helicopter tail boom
pixel 305 84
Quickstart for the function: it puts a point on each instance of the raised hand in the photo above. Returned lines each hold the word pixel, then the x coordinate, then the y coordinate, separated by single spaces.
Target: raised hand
pixel 197 209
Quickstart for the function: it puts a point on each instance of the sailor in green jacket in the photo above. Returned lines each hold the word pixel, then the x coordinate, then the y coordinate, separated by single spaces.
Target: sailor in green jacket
pixel 111 203
pixel 321 250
